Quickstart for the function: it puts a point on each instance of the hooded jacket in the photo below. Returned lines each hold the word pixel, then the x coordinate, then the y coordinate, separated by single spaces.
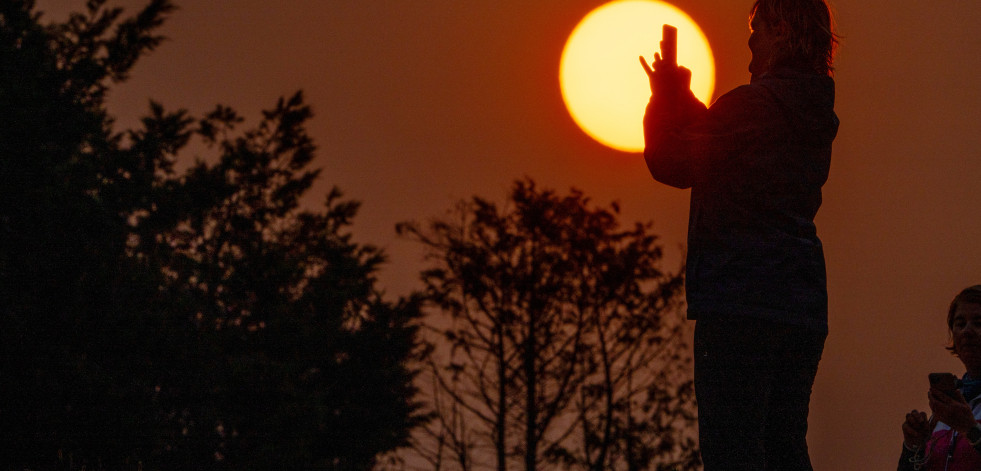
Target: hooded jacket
pixel 755 162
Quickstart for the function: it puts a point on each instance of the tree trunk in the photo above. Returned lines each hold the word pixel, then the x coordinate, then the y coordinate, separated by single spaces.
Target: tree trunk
pixel 502 404
pixel 531 410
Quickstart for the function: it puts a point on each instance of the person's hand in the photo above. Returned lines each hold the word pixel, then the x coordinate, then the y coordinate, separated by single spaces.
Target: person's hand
pixel 953 411
pixel 917 429
pixel 667 80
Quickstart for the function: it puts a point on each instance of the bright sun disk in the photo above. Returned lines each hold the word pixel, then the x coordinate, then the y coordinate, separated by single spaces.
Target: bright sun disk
pixel 603 84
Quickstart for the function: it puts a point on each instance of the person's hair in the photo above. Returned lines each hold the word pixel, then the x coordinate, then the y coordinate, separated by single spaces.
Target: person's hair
pixel 812 40
pixel 971 295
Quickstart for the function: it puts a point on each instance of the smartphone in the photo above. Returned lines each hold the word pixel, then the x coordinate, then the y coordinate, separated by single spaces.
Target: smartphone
pixel 946 382
pixel 669 44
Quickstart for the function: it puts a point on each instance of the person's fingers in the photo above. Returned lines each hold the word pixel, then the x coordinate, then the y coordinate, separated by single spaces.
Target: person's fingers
pixel 915 425
pixel 923 423
pixel 684 74
pixel 909 426
pixel 918 422
pixel 647 68
pixel 944 396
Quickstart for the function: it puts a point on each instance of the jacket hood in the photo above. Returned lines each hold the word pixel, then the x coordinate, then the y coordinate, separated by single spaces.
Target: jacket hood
pixel 808 99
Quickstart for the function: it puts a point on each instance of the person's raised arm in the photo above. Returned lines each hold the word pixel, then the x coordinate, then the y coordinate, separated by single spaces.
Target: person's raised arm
pixel 672 108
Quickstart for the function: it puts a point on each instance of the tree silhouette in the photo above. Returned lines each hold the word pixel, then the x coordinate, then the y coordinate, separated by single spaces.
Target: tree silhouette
pixel 562 339
pixel 159 318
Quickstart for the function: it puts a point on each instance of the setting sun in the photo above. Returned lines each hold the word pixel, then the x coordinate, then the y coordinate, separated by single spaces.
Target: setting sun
pixel 604 88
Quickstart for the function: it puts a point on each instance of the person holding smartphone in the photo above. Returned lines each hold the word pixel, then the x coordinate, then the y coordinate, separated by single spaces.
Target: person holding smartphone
pixel 755 161
pixel 951 439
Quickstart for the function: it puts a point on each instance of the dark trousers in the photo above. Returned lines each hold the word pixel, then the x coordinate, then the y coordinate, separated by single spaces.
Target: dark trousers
pixel 753 383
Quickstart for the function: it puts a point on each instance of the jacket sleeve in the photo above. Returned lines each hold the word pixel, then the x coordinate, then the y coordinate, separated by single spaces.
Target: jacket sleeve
pixel 664 121
pixel 683 139
pixel 906 458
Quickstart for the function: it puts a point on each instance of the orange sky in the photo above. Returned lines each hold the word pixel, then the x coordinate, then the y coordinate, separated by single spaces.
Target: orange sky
pixel 421 103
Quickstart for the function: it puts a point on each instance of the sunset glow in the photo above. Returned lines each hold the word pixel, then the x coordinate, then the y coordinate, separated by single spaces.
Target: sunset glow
pixel 605 88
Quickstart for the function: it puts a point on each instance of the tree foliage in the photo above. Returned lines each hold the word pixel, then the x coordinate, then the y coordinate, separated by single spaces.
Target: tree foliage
pixel 563 341
pixel 178 316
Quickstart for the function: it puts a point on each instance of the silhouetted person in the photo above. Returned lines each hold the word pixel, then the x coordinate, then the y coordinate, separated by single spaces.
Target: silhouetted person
pixel 951 439
pixel 755 162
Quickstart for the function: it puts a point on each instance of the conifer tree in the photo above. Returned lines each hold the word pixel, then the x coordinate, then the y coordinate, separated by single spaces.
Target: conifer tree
pixel 159 318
